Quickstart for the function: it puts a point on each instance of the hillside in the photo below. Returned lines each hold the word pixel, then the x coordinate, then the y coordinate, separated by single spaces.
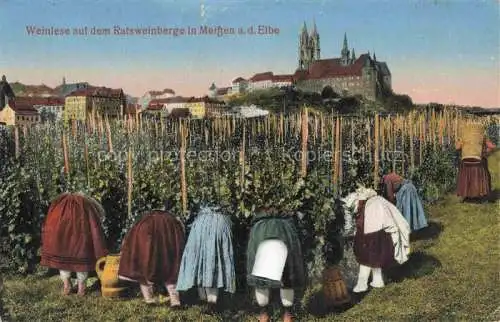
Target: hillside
pixel 21 89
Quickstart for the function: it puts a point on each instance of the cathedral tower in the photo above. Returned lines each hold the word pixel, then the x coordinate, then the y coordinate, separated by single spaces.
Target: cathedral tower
pixel 309 48
pixel 344 58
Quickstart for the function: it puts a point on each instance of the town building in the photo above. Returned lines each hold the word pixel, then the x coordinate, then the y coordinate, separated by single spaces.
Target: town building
pixel 239 86
pixel 97 101
pixel 155 95
pixel 199 107
pixel 19 114
pixel 50 106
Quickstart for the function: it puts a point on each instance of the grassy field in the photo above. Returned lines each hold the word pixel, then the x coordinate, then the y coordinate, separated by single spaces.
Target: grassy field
pixel 451 275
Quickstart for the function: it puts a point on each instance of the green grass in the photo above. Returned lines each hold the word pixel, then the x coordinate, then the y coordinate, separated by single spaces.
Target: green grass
pixel 452 275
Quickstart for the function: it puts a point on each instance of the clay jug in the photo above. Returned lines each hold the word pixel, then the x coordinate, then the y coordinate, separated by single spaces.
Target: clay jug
pixel 107 271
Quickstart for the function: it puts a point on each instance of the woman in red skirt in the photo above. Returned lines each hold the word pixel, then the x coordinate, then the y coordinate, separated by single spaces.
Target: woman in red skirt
pixel 72 238
pixel 151 254
pixel 382 237
pixel 474 180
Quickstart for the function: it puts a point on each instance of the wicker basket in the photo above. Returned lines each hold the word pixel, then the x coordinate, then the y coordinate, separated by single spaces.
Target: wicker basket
pixel 334 288
pixel 472 140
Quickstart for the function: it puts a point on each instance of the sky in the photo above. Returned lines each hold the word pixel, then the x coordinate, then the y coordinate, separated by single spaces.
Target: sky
pixel 444 51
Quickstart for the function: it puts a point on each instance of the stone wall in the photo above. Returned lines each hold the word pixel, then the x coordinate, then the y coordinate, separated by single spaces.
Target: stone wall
pixel 351 85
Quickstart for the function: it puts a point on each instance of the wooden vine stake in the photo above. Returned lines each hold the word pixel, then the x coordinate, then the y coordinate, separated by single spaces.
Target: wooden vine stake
pixel 305 133
pixel 101 127
pixel 108 132
pixel 369 136
pixel 340 164
pixel 73 127
pixel 282 129
pixel 376 139
pixel 353 146
pixel 412 152
pixel 422 138
pixel 337 167
pixel 382 136
pixel 86 155
pixel 393 137
pixel 334 154
pixel 183 137
pixel 129 183
pixel 242 157
pixel 402 124
pixel 441 130
pixel 65 154
pixel 16 141
pixel 433 129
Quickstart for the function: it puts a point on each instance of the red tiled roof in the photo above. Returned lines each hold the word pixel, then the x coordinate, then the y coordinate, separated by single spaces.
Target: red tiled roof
pixel 23 109
pixel 283 78
pixel 238 80
pixel 327 68
pixel 262 77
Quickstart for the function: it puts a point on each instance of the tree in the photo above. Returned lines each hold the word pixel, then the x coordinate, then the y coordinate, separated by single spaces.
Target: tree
pixel 328 93
pixel 47 116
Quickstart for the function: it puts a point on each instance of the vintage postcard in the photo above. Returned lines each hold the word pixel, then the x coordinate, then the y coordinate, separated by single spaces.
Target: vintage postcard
pixel 249 160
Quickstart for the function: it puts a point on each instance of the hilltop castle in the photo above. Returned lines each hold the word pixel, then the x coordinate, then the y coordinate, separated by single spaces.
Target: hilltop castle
pixel 346 75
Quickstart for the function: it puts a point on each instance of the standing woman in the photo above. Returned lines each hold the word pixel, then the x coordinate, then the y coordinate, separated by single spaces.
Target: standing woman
pixel 404 195
pixel 474 180
pixel 72 238
pixel 151 254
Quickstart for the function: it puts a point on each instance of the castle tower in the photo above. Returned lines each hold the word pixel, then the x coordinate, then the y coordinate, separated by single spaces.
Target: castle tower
pixel 344 58
pixel 316 54
pixel 304 54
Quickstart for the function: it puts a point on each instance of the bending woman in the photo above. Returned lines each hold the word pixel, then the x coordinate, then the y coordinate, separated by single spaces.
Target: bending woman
pixel 151 254
pixel 274 260
pixel 208 260
pixel 404 195
pixel 72 238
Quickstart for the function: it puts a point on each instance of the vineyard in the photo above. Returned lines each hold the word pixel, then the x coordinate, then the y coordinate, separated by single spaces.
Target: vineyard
pixel 298 163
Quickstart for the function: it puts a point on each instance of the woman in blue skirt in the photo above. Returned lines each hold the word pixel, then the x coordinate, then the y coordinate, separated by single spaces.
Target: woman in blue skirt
pixel 208 260
pixel 404 195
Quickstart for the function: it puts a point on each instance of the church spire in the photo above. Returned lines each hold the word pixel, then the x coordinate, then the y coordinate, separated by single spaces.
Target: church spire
pixel 345 52
pixel 353 55
pixel 315 29
pixel 304 28
pixel 374 56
